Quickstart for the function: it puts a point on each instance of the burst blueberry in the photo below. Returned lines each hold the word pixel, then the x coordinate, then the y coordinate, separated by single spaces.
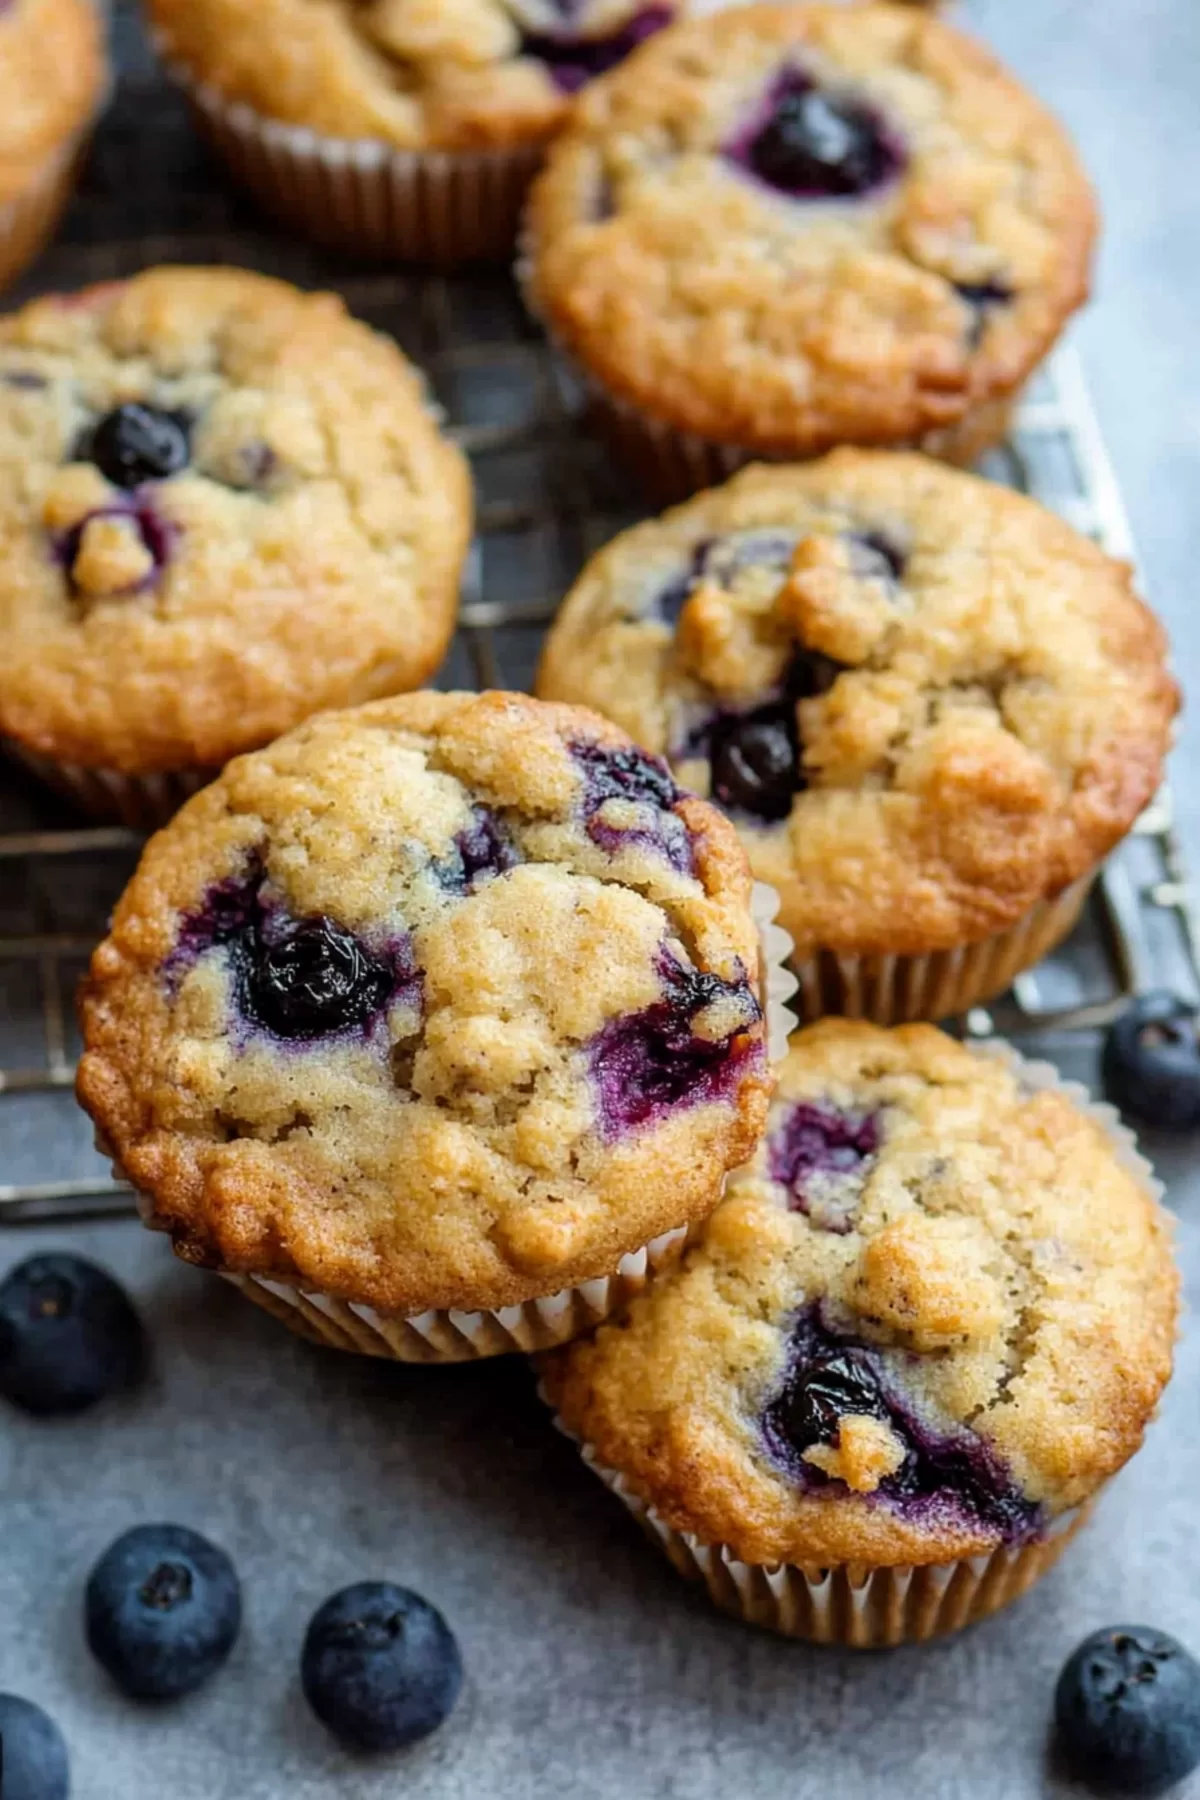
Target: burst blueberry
pixel 69 1335
pixel 162 1611
pixel 380 1667
pixel 755 760
pixel 1127 1711
pixel 33 1754
pixel 573 60
pixel 307 978
pixel 817 1150
pixel 1151 1062
pixel 136 443
pixel 816 144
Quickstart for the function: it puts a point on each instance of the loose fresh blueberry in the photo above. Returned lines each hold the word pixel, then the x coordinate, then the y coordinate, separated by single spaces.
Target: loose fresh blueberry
pixel 1151 1062
pixel 573 60
pixel 136 443
pixel 304 978
pixel 1127 1708
pixel 380 1666
pixel 755 760
pixel 816 144
pixel 33 1754
pixel 949 1472
pixel 162 1611
pixel 69 1335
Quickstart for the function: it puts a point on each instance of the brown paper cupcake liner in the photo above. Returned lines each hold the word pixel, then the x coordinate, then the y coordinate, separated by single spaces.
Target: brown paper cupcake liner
pixel 142 802
pixel 425 206
pixel 855 1604
pixel 440 1335
pixel 896 990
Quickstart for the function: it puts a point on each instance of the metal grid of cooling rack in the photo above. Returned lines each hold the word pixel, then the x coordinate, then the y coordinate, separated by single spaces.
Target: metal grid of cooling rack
pixel 546 499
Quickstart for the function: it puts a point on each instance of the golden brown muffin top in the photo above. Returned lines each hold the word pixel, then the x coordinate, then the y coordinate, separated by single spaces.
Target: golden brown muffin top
pixel 226 505
pixel 53 72
pixel 926 701
pixel 449 1001
pixel 935 1312
pixel 413 74
pixel 786 227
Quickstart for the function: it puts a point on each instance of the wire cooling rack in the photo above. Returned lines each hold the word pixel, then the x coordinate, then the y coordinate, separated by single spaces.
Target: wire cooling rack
pixel 547 497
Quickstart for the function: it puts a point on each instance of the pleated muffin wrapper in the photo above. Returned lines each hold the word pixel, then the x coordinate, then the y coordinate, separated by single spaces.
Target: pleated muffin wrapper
pixel 110 796
pixel 442 207
pixel 857 1605
pixel 897 990
pixel 440 1335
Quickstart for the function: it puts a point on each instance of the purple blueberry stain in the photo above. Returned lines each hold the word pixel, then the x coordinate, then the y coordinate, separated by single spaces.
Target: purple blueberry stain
pixel 821 1155
pixel 614 781
pixel 158 534
pixel 573 60
pixel 482 851
pixel 295 979
pixel 815 143
pixel 647 1065
pixel 720 560
pixel 982 297
pixel 949 1475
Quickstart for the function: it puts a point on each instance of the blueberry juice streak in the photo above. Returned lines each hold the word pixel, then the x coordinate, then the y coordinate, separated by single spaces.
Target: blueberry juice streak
pixel 820 1154
pixel 297 980
pixel 814 143
pixel 572 60
pixel 650 1064
pixel 949 1474
pixel 632 778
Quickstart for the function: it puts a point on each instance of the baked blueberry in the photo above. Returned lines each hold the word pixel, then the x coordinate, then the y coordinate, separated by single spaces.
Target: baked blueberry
pixel 484 849
pixel 306 978
pixel 157 534
pixel 380 1666
pixel 837 1386
pixel 874 555
pixel 573 61
pixel 645 781
pixel 815 1154
pixel 982 297
pixel 1127 1710
pixel 136 443
pixel 162 1611
pixel 646 1064
pixel 69 1335
pixel 816 143
pixel 33 1753
pixel 755 760
pixel 1151 1062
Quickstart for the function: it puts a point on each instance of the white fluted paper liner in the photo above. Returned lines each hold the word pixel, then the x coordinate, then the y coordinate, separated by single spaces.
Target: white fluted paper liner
pixel 778 980
pixel 857 1606
pixel 897 990
pixel 426 206
pixel 143 802
pixel 877 1608
pixel 438 1336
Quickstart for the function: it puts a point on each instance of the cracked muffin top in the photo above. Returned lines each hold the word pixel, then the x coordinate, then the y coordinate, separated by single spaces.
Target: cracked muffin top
pixel 449 1001
pixel 415 74
pixel 926 702
pixel 226 506
pixel 788 227
pixel 936 1311
pixel 53 70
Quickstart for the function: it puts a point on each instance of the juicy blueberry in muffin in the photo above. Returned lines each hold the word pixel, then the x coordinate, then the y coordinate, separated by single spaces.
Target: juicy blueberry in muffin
pixel 446 1002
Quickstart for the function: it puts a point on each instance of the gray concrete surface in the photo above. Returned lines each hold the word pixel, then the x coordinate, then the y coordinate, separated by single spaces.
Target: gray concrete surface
pixel 592 1670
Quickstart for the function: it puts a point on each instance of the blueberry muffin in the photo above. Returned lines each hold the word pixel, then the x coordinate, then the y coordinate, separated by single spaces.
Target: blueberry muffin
pixel 53 80
pixel 403 128
pixel 427 1020
pixel 226 506
pixel 785 228
pixel 930 707
pixel 929 1321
